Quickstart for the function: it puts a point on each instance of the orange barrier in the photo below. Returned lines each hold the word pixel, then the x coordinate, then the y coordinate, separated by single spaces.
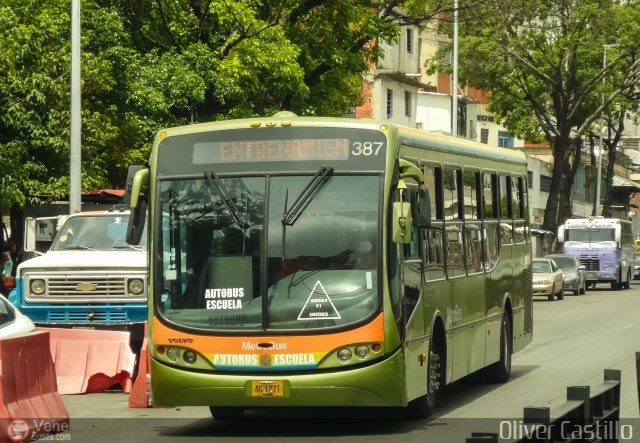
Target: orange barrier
pixel 91 360
pixel 139 396
pixel 30 405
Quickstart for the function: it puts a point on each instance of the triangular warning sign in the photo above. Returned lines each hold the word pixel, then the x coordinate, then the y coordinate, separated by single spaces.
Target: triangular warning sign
pixel 319 306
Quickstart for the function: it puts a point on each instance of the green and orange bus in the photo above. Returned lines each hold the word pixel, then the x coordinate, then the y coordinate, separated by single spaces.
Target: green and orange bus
pixel 298 261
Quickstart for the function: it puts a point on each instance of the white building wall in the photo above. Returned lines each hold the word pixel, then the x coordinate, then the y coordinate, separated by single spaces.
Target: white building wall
pixel 398 116
pixel 433 112
pixel 402 56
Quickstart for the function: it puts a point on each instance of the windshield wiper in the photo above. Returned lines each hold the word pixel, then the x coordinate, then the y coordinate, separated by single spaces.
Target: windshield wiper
pixel 80 247
pixel 291 215
pixel 136 247
pixel 217 184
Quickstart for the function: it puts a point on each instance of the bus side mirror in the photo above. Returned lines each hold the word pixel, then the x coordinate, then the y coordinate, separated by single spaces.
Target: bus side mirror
pixel 424 208
pixel 618 233
pixel 560 234
pixel 402 222
pixel 138 206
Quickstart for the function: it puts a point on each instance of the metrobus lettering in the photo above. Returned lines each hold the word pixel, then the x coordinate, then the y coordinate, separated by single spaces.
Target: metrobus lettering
pixel 248 346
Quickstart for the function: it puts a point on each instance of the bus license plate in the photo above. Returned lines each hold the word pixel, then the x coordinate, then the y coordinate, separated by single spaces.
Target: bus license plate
pixel 270 388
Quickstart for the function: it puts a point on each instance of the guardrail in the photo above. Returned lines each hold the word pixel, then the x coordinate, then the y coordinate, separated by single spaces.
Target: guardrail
pixel 588 415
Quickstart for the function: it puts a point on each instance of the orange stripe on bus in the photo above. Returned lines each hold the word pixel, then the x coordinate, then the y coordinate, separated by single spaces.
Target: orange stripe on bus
pixel 371 332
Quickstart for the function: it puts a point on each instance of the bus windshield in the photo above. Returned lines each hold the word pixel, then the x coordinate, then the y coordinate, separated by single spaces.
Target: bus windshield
pixel 269 274
pixel 590 235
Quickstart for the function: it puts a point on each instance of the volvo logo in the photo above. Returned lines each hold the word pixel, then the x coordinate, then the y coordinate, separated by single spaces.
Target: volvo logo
pixel 86 287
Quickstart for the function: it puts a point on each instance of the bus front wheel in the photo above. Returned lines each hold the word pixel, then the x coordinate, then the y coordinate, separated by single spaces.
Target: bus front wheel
pixel 226 413
pixel 500 371
pixel 424 406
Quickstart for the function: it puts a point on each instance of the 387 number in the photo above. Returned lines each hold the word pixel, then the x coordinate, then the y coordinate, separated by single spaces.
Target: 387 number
pixel 366 148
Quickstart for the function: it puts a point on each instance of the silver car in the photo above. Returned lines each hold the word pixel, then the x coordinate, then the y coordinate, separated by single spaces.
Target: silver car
pixel 13 322
pixel 575 278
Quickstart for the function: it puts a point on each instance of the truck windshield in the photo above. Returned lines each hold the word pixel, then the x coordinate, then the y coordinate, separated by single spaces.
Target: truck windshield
pixel 100 232
pixel 590 235
pixel 319 272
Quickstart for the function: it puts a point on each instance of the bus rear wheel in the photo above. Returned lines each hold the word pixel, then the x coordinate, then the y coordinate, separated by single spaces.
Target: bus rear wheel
pixel 226 413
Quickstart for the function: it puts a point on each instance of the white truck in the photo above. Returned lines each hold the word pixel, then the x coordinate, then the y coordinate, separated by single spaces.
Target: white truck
pixel 90 278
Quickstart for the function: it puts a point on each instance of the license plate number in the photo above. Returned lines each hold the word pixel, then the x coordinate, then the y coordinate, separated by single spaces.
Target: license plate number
pixel 269 388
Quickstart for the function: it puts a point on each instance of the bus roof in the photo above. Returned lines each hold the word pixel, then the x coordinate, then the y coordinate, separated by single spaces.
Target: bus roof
pixel 408 136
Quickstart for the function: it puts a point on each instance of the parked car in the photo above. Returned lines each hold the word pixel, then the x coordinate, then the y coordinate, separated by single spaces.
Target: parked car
pixel 547 278
pixel 636 267
pixel 575 277
pixel 12 322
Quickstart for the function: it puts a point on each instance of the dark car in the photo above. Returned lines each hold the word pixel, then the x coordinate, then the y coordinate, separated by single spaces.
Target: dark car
pixel 636 266
pixel 574 273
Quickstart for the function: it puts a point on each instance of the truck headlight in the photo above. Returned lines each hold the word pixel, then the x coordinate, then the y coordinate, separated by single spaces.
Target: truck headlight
pixel 136 286
pixel 37 286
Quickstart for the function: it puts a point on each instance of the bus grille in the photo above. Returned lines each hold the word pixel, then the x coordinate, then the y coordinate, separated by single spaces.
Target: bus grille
pixel 590 261
pixel 86 316
pixel 528 300
pixel 78 287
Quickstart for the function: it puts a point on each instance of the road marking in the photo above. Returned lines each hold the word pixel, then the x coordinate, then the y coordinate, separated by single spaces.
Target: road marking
pixel 622 329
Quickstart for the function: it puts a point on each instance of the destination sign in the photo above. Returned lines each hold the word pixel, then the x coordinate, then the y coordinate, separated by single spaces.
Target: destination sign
pixel 306 149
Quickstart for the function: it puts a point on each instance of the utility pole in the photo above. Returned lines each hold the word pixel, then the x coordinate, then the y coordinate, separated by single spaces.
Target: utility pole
pixel 74 160
pixel 454 81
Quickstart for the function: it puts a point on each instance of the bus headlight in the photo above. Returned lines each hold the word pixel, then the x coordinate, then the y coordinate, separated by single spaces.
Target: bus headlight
pixel 173 354
pixel 344 355
pixel 37 286
pixel 136 286
pixel 362 352
pixel 189 357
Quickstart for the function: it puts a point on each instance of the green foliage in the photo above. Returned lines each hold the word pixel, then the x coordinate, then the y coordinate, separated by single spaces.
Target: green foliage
pixel 147 64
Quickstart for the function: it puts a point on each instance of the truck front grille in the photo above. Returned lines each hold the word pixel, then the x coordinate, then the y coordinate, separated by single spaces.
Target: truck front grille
pixel 590 261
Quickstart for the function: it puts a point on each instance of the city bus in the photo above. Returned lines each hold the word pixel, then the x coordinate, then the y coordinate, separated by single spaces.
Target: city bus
pixel 298 261
pixel 604 247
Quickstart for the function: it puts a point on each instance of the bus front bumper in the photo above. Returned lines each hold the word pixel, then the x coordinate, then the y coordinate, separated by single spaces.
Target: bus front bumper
pixel 378 384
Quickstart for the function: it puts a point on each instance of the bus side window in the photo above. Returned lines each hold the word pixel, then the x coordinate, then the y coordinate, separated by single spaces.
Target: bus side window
pixel 433 254
pixel 412 249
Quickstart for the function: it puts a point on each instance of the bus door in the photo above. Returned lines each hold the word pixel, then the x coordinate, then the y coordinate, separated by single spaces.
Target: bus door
pixel 415 342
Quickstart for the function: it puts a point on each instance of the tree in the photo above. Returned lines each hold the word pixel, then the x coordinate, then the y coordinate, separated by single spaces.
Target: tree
pixel 541 60
pixel 153 63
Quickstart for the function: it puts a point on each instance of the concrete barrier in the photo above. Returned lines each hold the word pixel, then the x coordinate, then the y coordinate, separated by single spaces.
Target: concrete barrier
pixel 30 404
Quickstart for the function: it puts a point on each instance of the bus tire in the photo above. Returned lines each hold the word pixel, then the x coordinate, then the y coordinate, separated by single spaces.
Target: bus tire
pixel 226 413
pixel 500 371
pixel 423 407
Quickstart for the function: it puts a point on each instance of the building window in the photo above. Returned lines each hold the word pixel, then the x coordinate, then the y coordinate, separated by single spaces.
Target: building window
pixel 389 103
pixel 545 183
pixel 407 103
pixel 409 40
pixel 505 140
pixel 530 179
pixel 484 135
pixel 577 191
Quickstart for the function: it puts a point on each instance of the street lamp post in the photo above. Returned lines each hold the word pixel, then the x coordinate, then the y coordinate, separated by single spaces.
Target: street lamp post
pixel 598 178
